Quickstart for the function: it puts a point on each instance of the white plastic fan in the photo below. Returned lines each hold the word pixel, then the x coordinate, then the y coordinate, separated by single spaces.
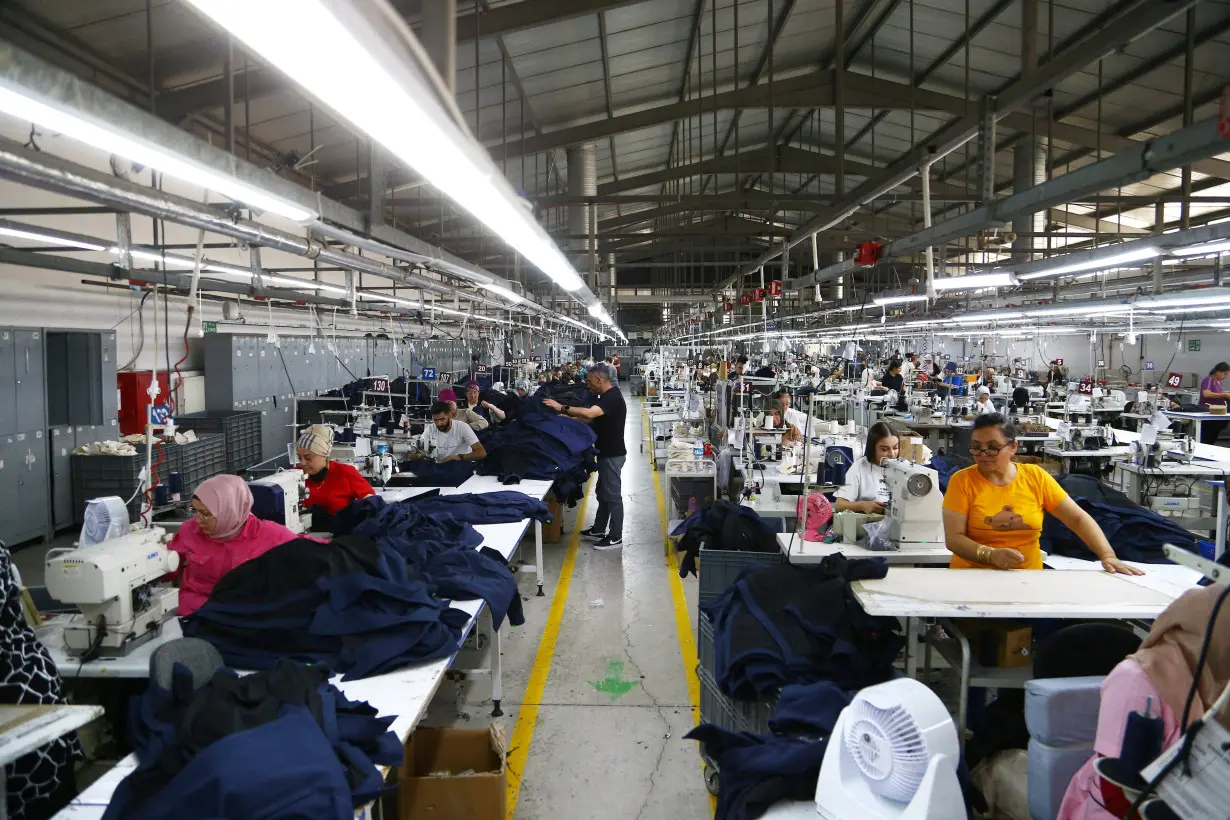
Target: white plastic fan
pixel 892 756
pixel 105 518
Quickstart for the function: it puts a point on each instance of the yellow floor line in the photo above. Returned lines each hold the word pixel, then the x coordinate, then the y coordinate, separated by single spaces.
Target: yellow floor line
pixel 683 624
pixel 527 715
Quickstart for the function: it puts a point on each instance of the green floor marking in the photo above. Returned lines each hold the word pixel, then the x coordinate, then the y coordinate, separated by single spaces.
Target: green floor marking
pixel 614 683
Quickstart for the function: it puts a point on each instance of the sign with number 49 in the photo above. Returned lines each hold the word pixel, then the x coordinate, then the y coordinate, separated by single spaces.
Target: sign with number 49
pixel 1174 381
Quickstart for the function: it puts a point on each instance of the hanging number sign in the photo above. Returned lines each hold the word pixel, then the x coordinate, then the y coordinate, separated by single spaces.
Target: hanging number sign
pixel 427 374
pixel 757 294
pixel 380 385
pixel 1085 388
pixel 728 306
pixel 745 299
pixel 775 288
pixel 1174 381
pixel 1148 365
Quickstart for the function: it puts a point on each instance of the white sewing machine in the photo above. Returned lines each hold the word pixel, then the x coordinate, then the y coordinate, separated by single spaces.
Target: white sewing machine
pixel 1086 437
pixel 380 465
pixel 1112 400
pixel 915 508
pixel 112 583
pixel 279 498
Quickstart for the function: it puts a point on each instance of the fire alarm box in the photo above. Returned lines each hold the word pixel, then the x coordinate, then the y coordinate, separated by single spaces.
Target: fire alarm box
pixel 775 287
pixel 867 254
pixel 757 294
pixel 745 298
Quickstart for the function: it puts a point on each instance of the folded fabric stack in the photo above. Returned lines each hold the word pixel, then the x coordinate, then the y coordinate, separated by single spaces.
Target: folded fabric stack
pixel 788 624
pixel 542 445
pixel 352 604
pixel 277 744
pixel 725 526
pixel 1136 533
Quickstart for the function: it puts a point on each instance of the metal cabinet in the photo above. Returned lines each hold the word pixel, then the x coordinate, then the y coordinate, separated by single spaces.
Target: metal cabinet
pixel 110 391
pixel 23 479
pixel 31 385
pixel 8 383
pixel 60 451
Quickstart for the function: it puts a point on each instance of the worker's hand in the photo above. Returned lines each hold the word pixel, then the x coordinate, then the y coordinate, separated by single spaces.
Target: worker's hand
pixel 553 404
pixel 1006 558
pixel 447 459
pixel 1116 567
pixel 486 404
pixel 871 507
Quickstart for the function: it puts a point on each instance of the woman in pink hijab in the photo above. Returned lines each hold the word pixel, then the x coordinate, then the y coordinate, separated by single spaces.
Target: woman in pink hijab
pixel 223 534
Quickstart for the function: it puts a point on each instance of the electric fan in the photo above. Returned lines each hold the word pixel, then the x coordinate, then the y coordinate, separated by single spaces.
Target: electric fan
pixel 892 756
pixel 105 518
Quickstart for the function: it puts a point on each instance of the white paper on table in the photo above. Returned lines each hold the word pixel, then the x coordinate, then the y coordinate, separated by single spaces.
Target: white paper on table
pixel 1148 435
pixel 1204 794
pixel 1160 420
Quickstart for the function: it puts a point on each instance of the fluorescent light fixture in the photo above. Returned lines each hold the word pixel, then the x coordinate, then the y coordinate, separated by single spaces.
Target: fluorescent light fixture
pixel 392 106
pixel 1167 309
pixel 53 116
pixel 974 281
pixel 885 301
pixel 230 270
pixel 1207 248
pixel 502 292
pixel 1086 310
pixel 1118 260
pixel 595 309
pixel 51 239
pixel 170 260
pixel 987 317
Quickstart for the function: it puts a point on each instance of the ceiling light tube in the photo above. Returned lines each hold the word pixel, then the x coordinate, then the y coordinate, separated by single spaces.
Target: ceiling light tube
pixel 364 78
pixel 55 116
pixel 51 239
pixel 1118 260
pixel 974 281
pixel 1206 249
pixel 888 301
pixel 987 317
pixel 502 292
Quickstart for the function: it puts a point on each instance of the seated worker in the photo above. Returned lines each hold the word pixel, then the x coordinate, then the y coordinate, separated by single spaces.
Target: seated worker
pixel 1213 394
pixel 331 485
pixel 483 411
pixel 794 419
pixel 222 535
pixel 1156 677
pixel 790 433
pixel 993 511
pixel 465 414
pixel 448 439
pixel 866 487
pixel 983 405
pixel 893 380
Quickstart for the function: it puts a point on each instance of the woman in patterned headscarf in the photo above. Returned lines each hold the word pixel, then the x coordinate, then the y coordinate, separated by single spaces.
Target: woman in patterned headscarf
pixel 41 783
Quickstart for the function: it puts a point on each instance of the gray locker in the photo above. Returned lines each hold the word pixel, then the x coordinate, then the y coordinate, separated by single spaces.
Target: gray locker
pixel 28 455
pixel 8 383
pixel 31 386
pixel 9 512
pixel 60 447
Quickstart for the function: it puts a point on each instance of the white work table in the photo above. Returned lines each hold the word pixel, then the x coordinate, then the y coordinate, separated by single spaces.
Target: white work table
pixel 28 726
pixel 799 551
pixel 1197 420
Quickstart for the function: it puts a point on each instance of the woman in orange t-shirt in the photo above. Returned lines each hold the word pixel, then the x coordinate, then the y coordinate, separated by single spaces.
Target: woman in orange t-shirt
pixel 993 511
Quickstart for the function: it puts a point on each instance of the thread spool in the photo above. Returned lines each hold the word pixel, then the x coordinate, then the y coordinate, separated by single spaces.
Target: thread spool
pixel 177 486
pixel 1142 738
pixel 160 495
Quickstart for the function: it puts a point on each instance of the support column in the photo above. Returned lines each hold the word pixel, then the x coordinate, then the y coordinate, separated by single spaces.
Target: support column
pixel 583 182
pixel 1159 225
pixel 439 38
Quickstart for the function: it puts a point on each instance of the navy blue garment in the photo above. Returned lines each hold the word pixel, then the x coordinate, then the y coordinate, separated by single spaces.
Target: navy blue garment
pixel 430 474
pixel 808 709
pixel 722 525
pixel 1136 533
pixel 946 465
pixel 351 604
pixel 755 772
pixel 788 624
pixel 278 744
pixel 463 575
pixel 543 445
pixel 502 507
pixel 413 533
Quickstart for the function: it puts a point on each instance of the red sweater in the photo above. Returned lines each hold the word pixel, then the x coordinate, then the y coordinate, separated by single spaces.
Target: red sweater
pixel 342 484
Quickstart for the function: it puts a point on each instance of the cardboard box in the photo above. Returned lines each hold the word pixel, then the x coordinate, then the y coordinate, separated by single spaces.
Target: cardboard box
pixel 479 794
pixel 554 531
pixel 1001 644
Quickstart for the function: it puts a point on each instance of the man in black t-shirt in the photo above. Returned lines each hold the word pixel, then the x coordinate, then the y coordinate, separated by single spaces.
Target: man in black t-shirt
pixel 607 417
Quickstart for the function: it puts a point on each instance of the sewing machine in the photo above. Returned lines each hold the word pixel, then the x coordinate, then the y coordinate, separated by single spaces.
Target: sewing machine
pixel 1086 437
pixel 381 465
pixel 915 508
pixel 1109 400
pixel 278 498
pixel 112 583
pixel 1155 446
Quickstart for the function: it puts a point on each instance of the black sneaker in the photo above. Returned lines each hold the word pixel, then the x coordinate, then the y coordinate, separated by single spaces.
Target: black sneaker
pixel 611 542
pixel 593 532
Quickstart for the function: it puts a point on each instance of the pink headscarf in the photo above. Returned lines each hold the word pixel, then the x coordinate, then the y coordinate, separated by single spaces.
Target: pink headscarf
pixel 447 394
pixel 229 501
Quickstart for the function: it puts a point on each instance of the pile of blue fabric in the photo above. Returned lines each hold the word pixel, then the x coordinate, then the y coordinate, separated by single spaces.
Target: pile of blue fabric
pixel 947 464
pixel 352 604
pixel 423 473
pixel 790 624
pixel 722 525
pixel 271 745
pixel 542 445
pixel 756 772
pixel 1136 533
pixel 439 547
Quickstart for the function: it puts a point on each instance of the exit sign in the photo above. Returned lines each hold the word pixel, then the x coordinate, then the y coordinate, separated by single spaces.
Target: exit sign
pixel 209 327
pixel 1193 345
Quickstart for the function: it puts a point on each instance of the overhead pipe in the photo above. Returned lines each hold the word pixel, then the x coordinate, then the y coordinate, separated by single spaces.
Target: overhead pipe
pixel 41 170
pixel 926 194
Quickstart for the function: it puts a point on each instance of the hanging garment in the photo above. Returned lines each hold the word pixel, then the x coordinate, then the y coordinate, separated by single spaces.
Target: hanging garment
pixel 722 525
pixel 277 745
pixel 351 604
pixel 789 624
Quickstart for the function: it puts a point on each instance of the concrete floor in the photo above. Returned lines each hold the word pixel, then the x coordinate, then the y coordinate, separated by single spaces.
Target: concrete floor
pixel 601 754
pixel 618 753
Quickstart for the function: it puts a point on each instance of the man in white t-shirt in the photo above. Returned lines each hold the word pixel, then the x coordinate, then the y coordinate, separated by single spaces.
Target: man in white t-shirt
pixel 866 487
pixel 908 367
pixel 448 439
